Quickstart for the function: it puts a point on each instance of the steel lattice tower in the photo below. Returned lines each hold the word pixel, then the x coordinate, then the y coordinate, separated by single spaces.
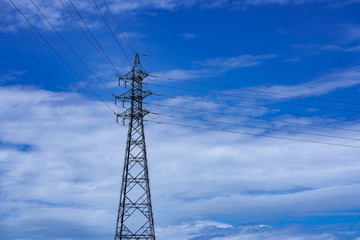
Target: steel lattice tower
pixel 135 217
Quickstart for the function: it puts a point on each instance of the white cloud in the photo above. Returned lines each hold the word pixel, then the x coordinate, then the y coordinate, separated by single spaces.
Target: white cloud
pixel 260 2
pixel 343 3
pixel 10 76
pixel 315 49
pixel 227 3
pixel 235 62
pixel 188 36
pixel 345 37
pixel 282 2
pixel 331 3
pixel 11 21
pixel 186 74
pixel 215 66
pixel 351 33
pixel 61 157
pixel 324 84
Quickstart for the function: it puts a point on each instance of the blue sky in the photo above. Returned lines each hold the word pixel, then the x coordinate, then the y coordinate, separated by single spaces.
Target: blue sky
pixel 61 152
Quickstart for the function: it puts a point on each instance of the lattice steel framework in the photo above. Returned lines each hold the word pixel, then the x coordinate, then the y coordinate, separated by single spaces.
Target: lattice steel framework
pixel 135 217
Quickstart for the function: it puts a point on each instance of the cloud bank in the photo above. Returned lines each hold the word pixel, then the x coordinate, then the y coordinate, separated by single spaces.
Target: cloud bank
pixel 11 21
pixel 62 154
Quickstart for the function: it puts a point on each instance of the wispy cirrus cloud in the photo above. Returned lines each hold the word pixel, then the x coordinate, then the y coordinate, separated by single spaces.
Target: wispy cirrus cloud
pixel 187 74
pixel 327 83
pixel 10 76
pixel 241 61
pixel 228 3
pixel 282 2
pixel 344 3
pixel 351 33
pixel 11 21
pixel 216 66
pixel 317 49
pixel 188 36
pixel 345 38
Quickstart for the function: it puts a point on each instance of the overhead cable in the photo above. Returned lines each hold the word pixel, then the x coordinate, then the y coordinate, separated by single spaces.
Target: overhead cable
pixel 253 134
pixel 91 33
pixel 75 53
pixel 256 90
pixel 118 26
pixel 250 117
pixel 107 24
pixel 253 126
pixel 252 98
pixel 61 58
pixel 254 108
pixel 112 67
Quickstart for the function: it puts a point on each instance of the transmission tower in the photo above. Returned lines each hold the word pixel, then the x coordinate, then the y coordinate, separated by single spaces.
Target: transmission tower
pixel 135 217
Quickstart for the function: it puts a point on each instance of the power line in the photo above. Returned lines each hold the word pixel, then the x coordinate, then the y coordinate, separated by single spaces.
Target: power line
pixel 205 128
pixel 252 98
pixel 76 54
pixel 257 118
pixel 107 24
pixel 61 58
pixel 255 90
pixel 258 127
pixel 118 26
pixel 91 33
pixel 253 134
pixel 255 108
pixel 112 67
